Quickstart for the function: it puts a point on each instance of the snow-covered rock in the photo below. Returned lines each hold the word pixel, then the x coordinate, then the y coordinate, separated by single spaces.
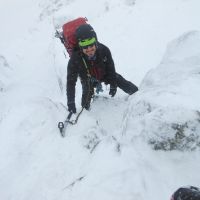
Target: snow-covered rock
pixel 167 108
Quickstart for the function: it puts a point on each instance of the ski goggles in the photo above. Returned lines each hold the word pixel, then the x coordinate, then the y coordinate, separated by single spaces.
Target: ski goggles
pixel 87 43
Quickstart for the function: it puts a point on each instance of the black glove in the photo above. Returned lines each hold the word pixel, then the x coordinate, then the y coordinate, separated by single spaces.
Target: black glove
pixel 71 107
pixel 113 90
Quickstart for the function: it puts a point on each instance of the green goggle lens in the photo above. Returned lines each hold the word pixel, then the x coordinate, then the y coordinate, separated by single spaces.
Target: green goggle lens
pixel 87 42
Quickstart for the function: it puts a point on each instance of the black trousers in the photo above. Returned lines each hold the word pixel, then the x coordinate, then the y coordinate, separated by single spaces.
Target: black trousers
pixel 125 85
pixel 88 90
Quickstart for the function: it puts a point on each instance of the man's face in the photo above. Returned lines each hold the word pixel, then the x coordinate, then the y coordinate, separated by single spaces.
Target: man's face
pixel 90 50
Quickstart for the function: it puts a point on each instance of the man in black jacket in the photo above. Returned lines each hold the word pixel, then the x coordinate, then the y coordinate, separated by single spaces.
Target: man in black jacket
pixel 93 63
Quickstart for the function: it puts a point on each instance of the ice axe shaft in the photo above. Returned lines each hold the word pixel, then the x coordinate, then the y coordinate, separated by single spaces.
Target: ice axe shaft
pixel 62 125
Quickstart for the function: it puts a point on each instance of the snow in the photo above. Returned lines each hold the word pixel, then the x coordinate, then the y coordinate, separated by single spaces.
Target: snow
pixel 140 147
pixel 172 116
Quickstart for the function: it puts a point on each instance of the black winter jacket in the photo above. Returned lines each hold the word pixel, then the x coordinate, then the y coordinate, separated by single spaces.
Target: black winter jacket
pixel 102 68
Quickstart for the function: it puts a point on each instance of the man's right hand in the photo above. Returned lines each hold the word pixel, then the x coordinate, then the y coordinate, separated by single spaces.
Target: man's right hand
pixel 71 107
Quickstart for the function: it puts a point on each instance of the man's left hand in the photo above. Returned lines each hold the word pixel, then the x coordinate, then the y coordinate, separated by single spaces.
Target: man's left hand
pixel 113 91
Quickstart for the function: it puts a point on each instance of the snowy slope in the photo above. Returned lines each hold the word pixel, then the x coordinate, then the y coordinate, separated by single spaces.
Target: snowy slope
pixel 110 153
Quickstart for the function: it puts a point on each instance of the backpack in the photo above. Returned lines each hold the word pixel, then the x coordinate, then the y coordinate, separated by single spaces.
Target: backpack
pixel 69 38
